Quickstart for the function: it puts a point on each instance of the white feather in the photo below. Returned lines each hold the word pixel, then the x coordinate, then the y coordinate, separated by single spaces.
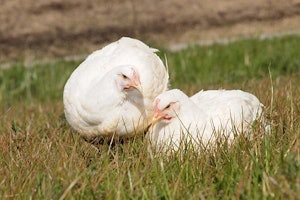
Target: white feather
pixel 229 109
pixel 92 109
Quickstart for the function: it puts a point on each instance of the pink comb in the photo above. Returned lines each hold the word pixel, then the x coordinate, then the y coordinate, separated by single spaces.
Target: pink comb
pixel 156 110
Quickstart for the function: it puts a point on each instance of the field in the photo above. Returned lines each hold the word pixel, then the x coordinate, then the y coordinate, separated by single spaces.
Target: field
pixel 41 158
pixel 33 30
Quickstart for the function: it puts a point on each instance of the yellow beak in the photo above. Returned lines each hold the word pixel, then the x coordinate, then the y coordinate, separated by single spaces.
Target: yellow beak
pixel 138 87
pixel 156 118
pixel 136 84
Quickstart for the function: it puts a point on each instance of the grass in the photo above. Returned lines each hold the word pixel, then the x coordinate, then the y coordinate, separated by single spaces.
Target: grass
pixel 41 158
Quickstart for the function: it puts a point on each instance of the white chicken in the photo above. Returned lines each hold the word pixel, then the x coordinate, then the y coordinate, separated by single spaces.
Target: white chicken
pixel 202 118
pixel 111 93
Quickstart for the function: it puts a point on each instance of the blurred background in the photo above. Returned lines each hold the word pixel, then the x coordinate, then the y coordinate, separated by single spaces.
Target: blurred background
pixel 46 29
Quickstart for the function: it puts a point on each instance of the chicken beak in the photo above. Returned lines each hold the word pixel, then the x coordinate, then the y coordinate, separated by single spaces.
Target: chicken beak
pixel 138 87
pixel 156 118
pixel 137 84
pixel 157 114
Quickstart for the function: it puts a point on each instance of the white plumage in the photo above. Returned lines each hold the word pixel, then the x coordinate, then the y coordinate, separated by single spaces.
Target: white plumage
pixel 199 119
pixel 229 109
pixel 112 91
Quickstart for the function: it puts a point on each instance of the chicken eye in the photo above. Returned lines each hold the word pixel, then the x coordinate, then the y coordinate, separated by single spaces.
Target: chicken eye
pixel 124 76
pixel 169 105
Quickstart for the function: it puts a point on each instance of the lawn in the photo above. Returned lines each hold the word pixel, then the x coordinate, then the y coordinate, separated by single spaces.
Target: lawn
pixel 42 158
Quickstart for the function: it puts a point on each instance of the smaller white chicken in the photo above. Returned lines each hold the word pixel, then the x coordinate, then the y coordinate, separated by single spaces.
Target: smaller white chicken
pixel 179 120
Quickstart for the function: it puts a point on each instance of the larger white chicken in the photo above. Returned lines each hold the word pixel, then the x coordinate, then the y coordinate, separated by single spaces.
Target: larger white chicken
pixel 179 119
pixel 112 91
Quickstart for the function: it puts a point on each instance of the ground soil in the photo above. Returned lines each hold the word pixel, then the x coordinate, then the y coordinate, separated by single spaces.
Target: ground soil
pixel 47 29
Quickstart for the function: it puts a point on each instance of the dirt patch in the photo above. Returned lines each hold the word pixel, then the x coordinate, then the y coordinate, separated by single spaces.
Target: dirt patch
pixel 32 30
